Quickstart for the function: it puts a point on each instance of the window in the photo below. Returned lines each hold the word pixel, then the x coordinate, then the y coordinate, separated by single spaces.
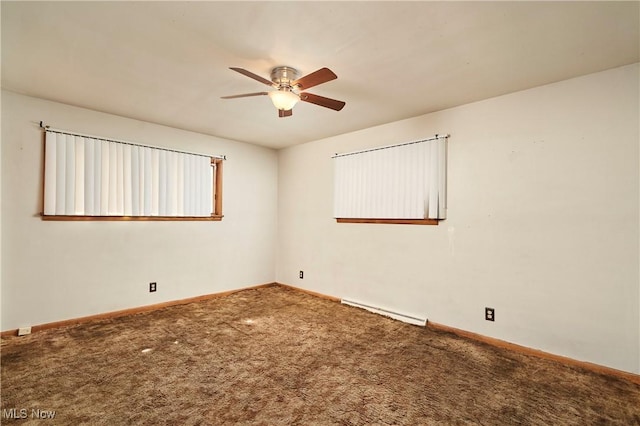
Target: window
pixel 90 178
pixel 403 183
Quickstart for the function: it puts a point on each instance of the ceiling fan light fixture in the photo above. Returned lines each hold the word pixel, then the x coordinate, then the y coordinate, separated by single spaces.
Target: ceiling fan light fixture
pixel 287 84
pixel 283 99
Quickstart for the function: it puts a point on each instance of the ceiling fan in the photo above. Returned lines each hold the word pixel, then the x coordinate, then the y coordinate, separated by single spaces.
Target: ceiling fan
pixel 288 86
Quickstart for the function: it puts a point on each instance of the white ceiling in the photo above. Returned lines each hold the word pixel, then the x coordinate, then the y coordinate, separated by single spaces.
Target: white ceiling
pixel 167 62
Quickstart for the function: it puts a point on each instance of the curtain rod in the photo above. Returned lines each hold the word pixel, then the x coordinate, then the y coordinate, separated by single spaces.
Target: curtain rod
pixel 66 132
pixel 390 146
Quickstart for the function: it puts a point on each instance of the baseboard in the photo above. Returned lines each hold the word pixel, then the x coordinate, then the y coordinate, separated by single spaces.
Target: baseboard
pixel 312 293
pixel 131 311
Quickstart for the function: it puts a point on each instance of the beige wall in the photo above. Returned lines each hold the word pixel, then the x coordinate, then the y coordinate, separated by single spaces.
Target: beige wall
pixel 542 222
pixel 53 271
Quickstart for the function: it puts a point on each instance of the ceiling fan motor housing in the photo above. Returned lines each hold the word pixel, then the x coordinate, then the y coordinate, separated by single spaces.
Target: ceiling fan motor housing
pixel 283 76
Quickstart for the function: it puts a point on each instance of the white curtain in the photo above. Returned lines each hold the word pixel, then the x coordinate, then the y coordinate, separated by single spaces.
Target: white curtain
pixel 95 177
pixel 406 181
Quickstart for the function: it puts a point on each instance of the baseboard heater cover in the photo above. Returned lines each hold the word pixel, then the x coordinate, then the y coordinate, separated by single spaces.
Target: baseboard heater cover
pixel 380 311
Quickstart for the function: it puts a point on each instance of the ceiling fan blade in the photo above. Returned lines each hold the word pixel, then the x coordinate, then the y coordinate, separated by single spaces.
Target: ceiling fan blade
pixel 252 75
pixel 244 95
pixel 322 101
pixel 317 77
pixel 285 113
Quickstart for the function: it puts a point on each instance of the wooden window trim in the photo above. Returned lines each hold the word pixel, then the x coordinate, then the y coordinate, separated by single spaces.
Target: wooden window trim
pixel 217 191
pixel 131 218
pixel 390 221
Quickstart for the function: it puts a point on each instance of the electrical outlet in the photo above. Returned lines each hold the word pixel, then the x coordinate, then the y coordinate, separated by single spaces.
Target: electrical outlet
pixel 23 331
pixel 301 274
pixel 153 287
pixel 489 314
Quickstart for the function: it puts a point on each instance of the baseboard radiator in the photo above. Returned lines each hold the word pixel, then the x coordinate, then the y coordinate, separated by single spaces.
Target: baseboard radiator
pixel 388 313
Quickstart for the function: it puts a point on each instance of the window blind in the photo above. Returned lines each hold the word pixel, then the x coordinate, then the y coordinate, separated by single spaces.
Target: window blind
pixel 87 176
pixel 403 181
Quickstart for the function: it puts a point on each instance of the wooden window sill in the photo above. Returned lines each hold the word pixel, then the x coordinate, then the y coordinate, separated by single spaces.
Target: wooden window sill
pixel 391 221
pixel 133 218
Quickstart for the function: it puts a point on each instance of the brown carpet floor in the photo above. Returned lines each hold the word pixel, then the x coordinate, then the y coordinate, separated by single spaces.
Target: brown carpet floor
pixel 275 356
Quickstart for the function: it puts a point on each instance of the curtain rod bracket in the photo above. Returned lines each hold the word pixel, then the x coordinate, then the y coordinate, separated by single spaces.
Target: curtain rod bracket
pixel 42 126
